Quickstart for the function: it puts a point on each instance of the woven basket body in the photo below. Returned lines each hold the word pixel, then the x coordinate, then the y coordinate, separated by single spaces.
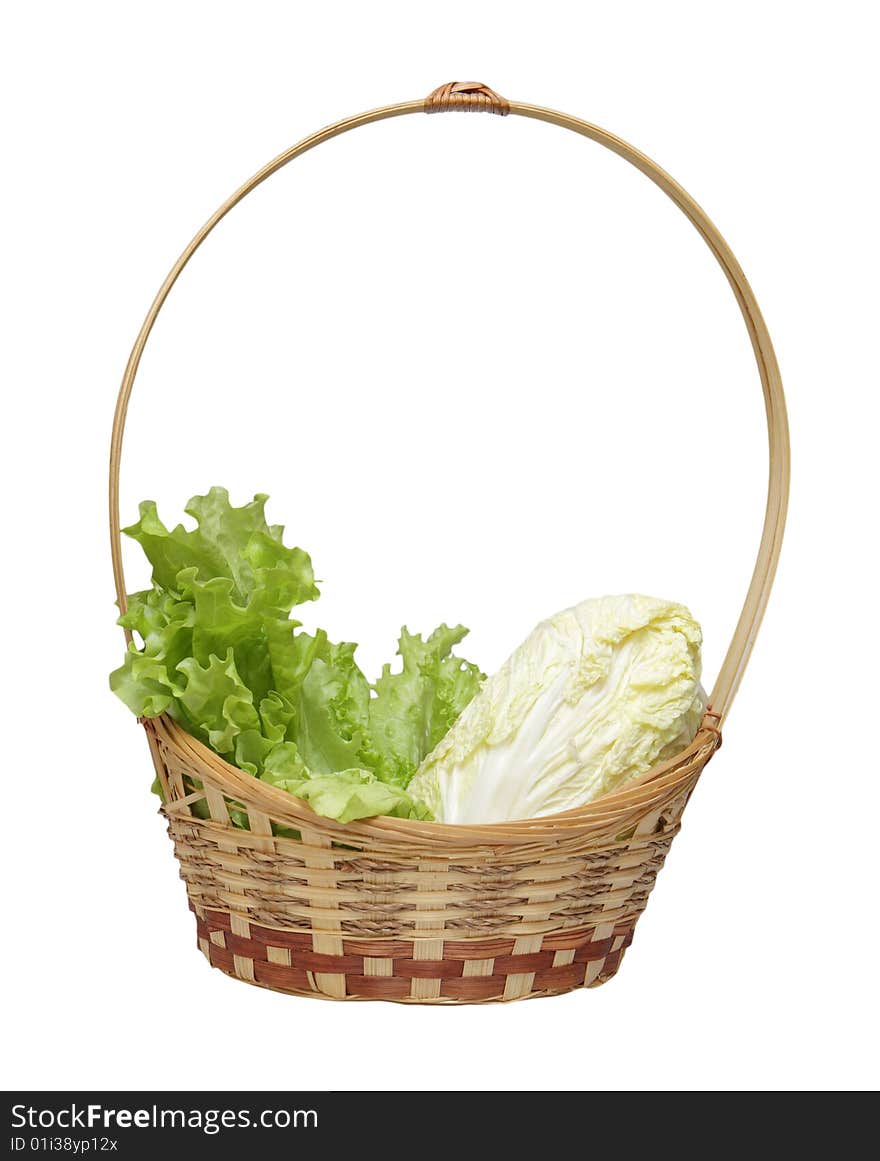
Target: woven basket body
pixel 396 910
pixel 419 912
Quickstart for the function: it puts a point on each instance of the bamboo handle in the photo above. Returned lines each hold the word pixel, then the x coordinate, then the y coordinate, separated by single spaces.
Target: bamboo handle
pixel 470 97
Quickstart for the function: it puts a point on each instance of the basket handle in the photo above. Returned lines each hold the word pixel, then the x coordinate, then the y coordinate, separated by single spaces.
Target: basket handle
pixel 471 96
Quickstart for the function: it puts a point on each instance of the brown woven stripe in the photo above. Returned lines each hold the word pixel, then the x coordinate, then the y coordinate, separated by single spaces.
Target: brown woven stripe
pixel 611 964
pixel 247 947
pixel 566 940
pixel 477 949
pixel 276 975
pixel 515 964
pixel 220 958
pixel 593 950
pixel 315 961
pixel 575 937
pixel 378 987
pixel 379 948
pixel 279 938
pixel 428 969
pixel 474 988
pixel 559 978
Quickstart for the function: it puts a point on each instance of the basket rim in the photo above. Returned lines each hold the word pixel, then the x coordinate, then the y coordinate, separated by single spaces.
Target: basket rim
pixel 638 795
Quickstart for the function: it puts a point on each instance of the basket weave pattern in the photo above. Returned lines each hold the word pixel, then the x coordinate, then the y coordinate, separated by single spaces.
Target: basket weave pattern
pixel 398 910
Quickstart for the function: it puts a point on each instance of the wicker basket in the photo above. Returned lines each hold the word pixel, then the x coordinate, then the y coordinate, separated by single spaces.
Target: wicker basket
pixel 419 912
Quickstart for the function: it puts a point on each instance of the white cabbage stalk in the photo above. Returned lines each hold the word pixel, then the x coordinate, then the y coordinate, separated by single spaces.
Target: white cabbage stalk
pixel 593 697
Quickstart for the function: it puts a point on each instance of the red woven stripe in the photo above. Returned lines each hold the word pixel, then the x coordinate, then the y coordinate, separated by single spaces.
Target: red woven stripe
pixel 477 948
pixel 473 987
pixel 530 962
pixel 566 940
pixel 592 951
pixel 567 976
pixel 249 947
pixel 378 987
pixel 379 948
pixel 315 961
pixel 278 975
pixel 220 958
pixel 278 938
pixel 219 920
pixel 611 964
pixel 578 937
pixel 428 969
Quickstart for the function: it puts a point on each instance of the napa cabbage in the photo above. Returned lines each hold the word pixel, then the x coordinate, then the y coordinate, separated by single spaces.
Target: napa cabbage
pixel 595 696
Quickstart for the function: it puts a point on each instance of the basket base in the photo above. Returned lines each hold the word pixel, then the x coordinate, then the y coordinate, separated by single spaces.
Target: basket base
pixel 475 972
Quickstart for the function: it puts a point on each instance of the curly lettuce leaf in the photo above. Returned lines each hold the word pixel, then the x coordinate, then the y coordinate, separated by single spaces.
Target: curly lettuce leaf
pixel 350 794
pixel 413 709
pixel 222 655
pixel 235 543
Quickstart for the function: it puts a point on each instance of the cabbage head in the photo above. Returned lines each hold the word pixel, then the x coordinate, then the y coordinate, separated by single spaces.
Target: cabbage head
pixel 593 697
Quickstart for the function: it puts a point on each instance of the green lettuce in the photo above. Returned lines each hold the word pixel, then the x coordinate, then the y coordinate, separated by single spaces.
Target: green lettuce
pixel 220 652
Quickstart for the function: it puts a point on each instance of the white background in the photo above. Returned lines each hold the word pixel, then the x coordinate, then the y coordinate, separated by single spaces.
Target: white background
pixel 485 370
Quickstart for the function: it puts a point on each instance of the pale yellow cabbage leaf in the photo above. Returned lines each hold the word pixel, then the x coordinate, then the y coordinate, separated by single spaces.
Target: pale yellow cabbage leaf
pixel 593 697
